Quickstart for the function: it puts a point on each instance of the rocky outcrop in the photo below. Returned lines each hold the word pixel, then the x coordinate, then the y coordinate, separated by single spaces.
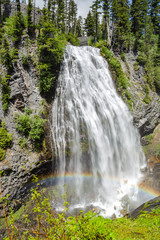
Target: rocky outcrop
pixel 146 116
pixel 9 9
pixel 148 206
pixel 19 164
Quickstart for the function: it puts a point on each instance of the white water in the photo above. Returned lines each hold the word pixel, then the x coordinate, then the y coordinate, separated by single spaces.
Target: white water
pixel 93 135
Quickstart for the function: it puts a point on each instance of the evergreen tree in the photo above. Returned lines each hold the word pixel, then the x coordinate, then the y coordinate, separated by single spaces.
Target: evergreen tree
pixel 72 14
pixel 95 9
pixel 155 14
pixel 52 9
pixel 29 18
pixel 79 27
pixel 0 14
pixel 89 25
pixel 19 23
pixel 18 5
pixel 121 24
pixel 138 17
pixel 106 9
pixel 61 14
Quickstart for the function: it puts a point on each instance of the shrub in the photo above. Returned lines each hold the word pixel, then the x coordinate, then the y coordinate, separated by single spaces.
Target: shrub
pixel 31 127
pixel 115 65
pixel 106 52
pixel 123 56
pixel 72 39
pixel 5 141
pixel 6 90
pixel 37 129
pixel 23 124
pixel 23 142
pixel 2 153
pixel 142 59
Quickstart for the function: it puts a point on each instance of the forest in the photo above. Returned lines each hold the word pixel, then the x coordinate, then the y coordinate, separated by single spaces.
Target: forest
pixel 33 42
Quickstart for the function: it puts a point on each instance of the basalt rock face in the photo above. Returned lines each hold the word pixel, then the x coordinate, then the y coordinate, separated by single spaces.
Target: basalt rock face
pixel 19 164
pixel 9 9
pixel 146 116
pixel 148 206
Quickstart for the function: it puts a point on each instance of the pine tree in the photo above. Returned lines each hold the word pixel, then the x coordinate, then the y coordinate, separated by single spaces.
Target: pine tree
pixel 72 16
pixel 121 24
pixel 138 17
pixel 95 9
pixel 106 9
pixel 19 23
pixel 0 14
pixel 89 25
pixel 29 18
pixel 61 15
pixel 79 27
pixel 52 10
pixel 155 14
pixel 18 5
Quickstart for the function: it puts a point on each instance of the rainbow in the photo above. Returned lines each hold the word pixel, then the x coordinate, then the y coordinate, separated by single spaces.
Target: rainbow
pixel 87 175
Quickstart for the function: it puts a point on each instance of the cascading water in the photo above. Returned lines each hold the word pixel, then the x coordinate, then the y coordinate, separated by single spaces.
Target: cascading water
pixel 96 146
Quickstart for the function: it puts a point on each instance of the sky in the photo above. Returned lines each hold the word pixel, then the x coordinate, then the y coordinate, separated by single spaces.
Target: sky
pixel 83 6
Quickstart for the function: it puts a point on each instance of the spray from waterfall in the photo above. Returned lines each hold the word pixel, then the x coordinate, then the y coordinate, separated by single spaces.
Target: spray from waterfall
pixel 96 146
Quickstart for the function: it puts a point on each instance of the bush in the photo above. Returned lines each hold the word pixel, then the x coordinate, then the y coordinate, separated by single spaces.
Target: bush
pixel 37 129
pixel 142 59
pixel 23 142
pixel 115 65
pixel 2 153
pixel 72 39
pixel 5 141
pixel 6 90
pixel 42 222
pixel 123 56
pixel 106 52
pixel 30 127
pixel 23 124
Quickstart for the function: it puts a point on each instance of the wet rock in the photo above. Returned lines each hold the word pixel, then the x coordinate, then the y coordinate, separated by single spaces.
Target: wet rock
pixel 145 116
pixel 148 206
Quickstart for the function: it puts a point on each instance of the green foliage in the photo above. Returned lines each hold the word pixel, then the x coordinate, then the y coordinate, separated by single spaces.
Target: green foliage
pixel 72 39
pixel 42 221
pixel 142 58
pixel 115 65
pixel 157 79
pixel 5 138
pixel 36 130
pixel 23 124
pixel 23 142
pixel 5 55
pixel 31 127
pixel 14 27
pixel 123 57
pixel 5 91
pixel 5 141
pixel 25 60
pixel 51 45
pixel 29 18
pixel 2 153
pixel 121 16
pixel 136 66
pixel 149 138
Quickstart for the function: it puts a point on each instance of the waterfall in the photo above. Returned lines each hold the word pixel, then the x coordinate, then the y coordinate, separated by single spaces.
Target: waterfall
pixel 96 146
